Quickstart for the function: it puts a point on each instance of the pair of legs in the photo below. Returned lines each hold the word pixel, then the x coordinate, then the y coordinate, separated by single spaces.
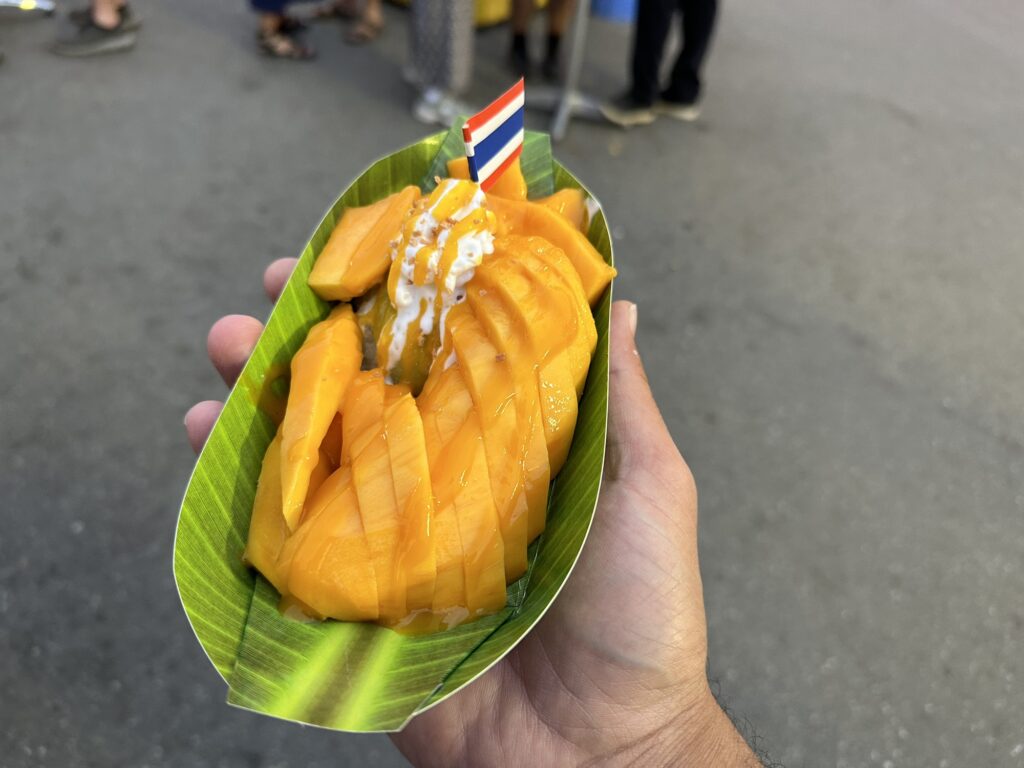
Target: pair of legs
pixel 559 12
pixel 653 21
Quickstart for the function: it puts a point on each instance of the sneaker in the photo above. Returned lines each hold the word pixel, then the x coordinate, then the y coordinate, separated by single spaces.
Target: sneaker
pixel 129 21
pixel 626 112
pixel 687 112
pixel 435 107
pixel 89 39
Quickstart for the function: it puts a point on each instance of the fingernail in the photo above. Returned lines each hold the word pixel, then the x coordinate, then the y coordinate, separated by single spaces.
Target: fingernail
pixel 632 318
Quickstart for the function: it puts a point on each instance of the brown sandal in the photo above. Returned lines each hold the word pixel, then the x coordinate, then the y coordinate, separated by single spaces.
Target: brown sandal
pixel 336 9
pixel 279 45
pixel 364 31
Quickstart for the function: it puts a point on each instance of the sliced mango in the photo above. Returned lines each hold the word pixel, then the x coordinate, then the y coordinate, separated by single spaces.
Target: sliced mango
pixel 321 372
pixel 525 218
pixel 488 374
pixel 357 255
pixel 571 205
pixel 410 473
pixel 365 445
pixel 267 528
pixel 329 565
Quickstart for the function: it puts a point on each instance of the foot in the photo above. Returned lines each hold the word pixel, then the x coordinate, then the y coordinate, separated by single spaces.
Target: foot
pixel 367 29
pixel 434 107
pixel 279 45
pixel 129 21
pixel 90 39
pixel 686 111
pixel 626 112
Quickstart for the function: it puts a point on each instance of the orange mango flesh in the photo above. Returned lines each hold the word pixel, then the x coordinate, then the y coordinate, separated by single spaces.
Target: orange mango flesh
pixel 510 185
pixel 506 330
pixel 549 321
pixel 444 405
pixel 526 218
pixel 358 253
pixel 365 445
pixel 571 205
pixel 267 529
pixel 488 375
pixel 321 372
pixel 410 473
pixel 328 560
pixel 413 504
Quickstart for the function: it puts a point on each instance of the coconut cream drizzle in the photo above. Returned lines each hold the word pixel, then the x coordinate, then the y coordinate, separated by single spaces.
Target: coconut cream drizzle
pixel 434 267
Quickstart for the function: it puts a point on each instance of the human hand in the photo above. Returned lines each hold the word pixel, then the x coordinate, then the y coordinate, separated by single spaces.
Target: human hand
pixel 615 673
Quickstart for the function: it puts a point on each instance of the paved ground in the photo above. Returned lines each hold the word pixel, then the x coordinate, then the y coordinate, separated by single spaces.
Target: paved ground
pixel 829 271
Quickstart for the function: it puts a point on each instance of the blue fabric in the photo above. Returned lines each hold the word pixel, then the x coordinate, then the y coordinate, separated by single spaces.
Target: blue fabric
pixel 269 6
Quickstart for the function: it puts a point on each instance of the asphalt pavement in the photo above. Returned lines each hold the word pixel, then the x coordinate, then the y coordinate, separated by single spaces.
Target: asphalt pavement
pixel 829 268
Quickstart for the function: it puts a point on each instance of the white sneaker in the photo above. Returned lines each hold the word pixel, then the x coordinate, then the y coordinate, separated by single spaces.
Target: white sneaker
pixel 674 109
pixel 435 107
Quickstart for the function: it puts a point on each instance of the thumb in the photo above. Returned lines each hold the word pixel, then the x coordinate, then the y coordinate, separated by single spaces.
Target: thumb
pixel 639 444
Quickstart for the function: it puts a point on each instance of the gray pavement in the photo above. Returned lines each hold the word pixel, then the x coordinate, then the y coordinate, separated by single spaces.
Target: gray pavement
pixel 829 270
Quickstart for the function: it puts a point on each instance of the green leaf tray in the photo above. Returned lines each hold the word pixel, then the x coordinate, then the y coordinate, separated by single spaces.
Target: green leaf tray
pixel 352 676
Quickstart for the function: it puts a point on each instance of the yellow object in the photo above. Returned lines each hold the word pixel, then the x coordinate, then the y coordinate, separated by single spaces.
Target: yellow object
pixel 267 529
pixel 571 204
pixel 527 218
pixel 358 252
pixel 321 372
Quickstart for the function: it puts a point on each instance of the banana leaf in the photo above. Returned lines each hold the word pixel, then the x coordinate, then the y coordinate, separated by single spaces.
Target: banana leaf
pixel 352 676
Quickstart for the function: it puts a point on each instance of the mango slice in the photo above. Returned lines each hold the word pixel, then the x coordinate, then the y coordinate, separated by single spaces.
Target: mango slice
pixel 358 253
pixel 510 185
pixel 268 529
pixel 526 218
pixel 444 405
pixel 488 374
pixel 321 372
pixel 506 330
pixel 410 474
pixel 328 560
pixel 571 204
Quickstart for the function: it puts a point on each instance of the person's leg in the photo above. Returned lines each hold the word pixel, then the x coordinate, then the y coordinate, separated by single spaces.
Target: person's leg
pixel 105 26
pixel 442 50
pixel 698 26
pixel 274 40
pixel 370 24
pixel 559 13
pixel 519 55
pixel 653 19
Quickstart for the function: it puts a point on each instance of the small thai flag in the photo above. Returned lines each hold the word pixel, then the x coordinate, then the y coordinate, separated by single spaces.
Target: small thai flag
pixel 494 136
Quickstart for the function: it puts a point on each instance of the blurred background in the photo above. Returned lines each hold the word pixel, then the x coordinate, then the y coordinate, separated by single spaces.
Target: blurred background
pixel 829 266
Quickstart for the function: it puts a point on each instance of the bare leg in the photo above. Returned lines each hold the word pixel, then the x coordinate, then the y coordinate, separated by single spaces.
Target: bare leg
pixel 106 13
pixel 522 12
pixel 559 13
pixel 370 24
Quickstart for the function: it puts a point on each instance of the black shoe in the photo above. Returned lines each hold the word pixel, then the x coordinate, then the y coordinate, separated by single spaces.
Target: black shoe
pixel 625 111
pixel 686 111
pixel 90 39
pixel 551 70
pixel 519 62
pixel 129 21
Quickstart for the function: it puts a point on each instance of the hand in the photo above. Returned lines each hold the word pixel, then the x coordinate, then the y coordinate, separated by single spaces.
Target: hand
pixel 615 674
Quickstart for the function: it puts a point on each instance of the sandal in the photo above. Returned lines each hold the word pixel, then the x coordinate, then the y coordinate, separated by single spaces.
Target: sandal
pixel 278 45
pixel 336 9
pixel 290 24
pixel 365 31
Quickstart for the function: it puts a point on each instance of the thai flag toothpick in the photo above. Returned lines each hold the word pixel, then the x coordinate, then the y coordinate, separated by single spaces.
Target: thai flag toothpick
pixel 494 136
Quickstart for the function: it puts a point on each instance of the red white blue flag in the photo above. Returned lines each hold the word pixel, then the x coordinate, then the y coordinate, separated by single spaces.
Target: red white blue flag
pixel 494 136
